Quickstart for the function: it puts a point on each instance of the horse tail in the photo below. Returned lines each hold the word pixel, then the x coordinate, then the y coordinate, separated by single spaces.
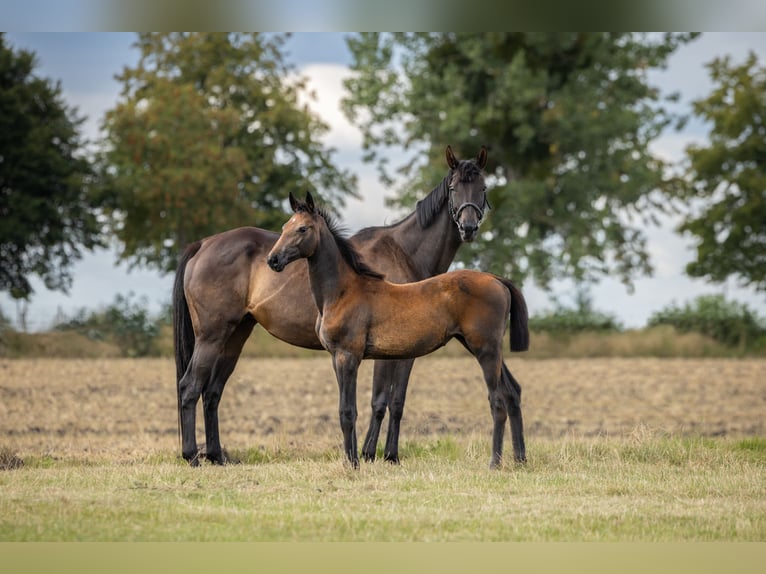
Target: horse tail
pixel 519 318
pixel 183 332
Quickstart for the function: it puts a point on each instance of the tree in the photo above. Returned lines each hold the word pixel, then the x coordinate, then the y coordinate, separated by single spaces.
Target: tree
pixel 209 135
pixel 47 209
pixel 729 174
pixel 567 118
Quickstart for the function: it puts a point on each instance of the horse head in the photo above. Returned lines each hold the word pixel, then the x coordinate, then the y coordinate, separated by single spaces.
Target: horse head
pixel 300 234
pixel 467 193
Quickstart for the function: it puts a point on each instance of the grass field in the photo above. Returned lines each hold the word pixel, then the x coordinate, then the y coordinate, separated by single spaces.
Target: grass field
pixel 619 450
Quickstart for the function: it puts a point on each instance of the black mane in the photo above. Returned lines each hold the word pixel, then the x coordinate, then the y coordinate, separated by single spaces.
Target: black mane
pixel 431 204
pixel 347 250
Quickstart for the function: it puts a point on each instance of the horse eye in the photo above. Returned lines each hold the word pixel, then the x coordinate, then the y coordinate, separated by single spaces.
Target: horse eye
pixel 302 229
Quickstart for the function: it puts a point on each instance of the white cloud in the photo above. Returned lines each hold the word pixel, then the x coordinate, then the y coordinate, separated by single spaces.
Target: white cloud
pixel 326 82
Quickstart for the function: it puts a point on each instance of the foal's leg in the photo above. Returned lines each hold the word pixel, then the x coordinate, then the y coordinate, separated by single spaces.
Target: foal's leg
pixel 511 392
pixel 491 366
pixel 346 366
pixel 389 389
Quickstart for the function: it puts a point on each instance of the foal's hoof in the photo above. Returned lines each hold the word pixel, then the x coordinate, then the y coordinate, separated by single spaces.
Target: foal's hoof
pixel 368 457
pixel 193 460
pixel 392 458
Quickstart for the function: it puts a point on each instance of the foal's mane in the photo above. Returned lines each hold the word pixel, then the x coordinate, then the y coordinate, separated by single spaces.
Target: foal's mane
pixel 347 250
pixel 466 171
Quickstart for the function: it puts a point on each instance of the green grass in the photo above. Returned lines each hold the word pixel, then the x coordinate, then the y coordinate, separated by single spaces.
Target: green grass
pixel 644 488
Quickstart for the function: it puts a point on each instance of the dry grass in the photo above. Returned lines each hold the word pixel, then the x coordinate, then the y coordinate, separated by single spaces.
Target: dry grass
pixel 123 407
pixel 620 449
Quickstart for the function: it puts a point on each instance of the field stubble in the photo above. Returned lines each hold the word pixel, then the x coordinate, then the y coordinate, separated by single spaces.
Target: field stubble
pixel 123 407
pixel 619 449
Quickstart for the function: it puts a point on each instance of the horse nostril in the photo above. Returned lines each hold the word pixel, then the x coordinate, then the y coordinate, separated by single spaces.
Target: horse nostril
pixel 272 261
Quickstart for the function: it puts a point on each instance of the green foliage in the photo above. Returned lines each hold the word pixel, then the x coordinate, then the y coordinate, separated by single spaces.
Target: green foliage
pixel 729 322
pixel 581 317
pixel 567 118
pixel 729 173
pixel 125 322
pixel 47 208
pixel 208 135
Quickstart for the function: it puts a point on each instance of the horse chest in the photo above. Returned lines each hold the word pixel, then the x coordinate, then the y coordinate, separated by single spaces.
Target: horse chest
pixel 337 334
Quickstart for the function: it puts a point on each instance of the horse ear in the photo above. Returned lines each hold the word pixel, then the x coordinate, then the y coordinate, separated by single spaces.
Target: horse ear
pixel 309 202
pixel 481 159
pixel 451 159
pixel 293 203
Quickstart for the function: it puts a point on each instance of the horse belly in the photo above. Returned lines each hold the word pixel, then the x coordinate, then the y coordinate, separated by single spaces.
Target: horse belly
pixel 406 335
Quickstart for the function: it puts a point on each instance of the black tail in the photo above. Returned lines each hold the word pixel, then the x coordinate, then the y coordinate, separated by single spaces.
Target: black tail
pixel 183 332
pixel 519 318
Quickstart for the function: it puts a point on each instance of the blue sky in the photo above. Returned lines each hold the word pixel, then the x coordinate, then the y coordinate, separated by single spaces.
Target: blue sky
pixel 86 63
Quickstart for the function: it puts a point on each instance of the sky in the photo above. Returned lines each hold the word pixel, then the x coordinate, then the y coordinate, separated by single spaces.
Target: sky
pixel 86 64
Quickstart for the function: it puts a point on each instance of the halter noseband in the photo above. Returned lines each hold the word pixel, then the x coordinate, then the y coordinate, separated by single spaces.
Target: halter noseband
pixel 455 213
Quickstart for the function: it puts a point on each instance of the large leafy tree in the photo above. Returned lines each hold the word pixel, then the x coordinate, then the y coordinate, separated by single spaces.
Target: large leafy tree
pixel 729 174
pixel 209 134
pixel 568 119
pixel 47 211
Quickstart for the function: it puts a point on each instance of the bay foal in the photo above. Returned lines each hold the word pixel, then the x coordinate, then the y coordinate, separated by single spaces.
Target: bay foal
pixel 363 316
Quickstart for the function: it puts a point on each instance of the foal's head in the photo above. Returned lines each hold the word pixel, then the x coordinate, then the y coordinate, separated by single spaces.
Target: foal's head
pixel 301 235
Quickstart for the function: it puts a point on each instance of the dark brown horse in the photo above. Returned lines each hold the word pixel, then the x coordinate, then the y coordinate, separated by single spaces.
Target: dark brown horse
pixel 363 316
pixel 223 288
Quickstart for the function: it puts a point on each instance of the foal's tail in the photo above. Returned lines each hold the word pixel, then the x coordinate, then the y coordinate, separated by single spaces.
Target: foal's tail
pixel 519 318
pixel 183 333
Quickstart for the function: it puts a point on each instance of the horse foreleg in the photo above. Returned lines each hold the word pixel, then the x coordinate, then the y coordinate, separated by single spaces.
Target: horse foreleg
pixel 346 366
pixel 511 390
pixel 389 388
pixel 379 403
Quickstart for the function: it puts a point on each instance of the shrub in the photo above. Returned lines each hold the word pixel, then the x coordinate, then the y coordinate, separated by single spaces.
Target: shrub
pixel 582 317
pixel 125 323
pixel 729 322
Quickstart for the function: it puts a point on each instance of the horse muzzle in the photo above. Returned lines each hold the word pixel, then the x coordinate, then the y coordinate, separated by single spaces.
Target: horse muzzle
pixel 468 232
pixel 276 263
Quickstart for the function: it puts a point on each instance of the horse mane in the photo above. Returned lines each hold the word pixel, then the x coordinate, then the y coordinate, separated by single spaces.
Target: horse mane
pixel 347 250
pixel 431 204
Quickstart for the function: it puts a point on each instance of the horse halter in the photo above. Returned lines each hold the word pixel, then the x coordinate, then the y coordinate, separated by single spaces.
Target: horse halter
pixel 455 213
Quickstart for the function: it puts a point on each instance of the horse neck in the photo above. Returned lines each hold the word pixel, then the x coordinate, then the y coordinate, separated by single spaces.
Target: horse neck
pixel 431 249
pixel 328 272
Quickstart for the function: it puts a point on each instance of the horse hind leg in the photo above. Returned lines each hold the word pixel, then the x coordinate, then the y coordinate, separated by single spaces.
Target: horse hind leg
pixel 211 395
pixel 190 387
pixel 511 391
pixel 491 368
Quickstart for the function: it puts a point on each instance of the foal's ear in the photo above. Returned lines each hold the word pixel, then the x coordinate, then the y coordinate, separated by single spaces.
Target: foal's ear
pixel 481 159
pixel 451 159
pixel 293 203
pixel 309 202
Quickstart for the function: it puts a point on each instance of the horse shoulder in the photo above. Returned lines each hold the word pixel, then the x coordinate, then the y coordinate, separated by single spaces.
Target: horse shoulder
pixel 385 255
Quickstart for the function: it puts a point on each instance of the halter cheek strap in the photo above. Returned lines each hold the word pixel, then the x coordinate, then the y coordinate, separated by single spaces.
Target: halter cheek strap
pixel 456 212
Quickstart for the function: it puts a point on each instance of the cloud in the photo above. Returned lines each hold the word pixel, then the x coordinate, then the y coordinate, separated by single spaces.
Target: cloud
pixel 325 81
